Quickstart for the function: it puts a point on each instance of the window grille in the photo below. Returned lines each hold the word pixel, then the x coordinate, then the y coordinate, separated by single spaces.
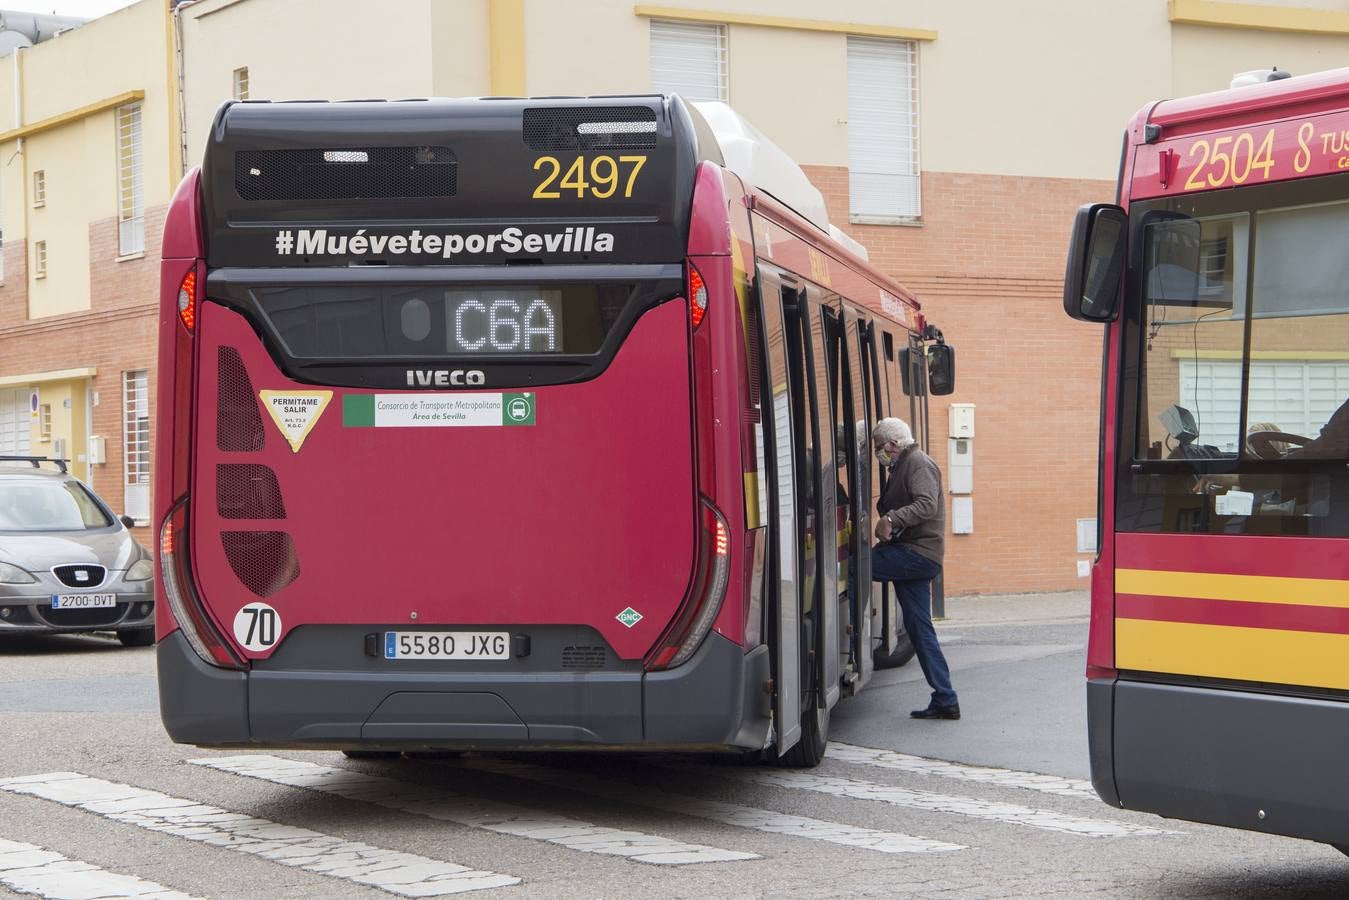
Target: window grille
pixel 40 188
pixel 44 422
pixel 130 181
pixel 136 443
pixel 689 60
pixel 883 170
pixel 241 83
pixel 40 259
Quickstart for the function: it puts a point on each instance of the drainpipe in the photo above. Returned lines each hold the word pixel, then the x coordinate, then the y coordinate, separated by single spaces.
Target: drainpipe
pixel 180 66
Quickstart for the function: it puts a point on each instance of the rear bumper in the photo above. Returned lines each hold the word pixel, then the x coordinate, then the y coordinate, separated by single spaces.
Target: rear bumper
pixel 1223 756
pixel 714 701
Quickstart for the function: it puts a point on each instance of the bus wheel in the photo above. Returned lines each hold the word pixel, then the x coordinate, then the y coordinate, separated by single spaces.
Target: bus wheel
pixel 371 754
pixel 903 653
pixel 807 752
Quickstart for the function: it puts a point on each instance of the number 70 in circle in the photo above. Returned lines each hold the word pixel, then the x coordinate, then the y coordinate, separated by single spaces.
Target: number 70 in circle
pixel 257 626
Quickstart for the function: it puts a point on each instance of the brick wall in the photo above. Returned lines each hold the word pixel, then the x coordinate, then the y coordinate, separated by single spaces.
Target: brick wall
pixel 117 333
pixel 987 264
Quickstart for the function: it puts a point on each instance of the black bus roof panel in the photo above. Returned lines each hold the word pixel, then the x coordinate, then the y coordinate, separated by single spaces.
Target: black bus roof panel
pixel 446 182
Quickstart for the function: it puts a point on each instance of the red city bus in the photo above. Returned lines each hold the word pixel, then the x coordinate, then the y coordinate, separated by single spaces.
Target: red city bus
pixel 1218 658
pixel 515 424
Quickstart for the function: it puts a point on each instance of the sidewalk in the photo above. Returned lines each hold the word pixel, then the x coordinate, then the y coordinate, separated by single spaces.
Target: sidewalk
pixel 984 609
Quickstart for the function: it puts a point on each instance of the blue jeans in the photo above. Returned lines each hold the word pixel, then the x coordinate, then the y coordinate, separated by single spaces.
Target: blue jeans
pixel 912 574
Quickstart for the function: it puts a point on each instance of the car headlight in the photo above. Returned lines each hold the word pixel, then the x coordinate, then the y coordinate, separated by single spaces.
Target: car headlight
pixel 14 575
pixel 141 570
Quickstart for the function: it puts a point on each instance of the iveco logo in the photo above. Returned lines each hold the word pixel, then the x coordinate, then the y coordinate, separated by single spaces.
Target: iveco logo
pixel 444 377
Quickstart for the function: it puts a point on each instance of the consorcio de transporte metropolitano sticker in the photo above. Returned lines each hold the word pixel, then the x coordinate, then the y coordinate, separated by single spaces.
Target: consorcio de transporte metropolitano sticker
pixel 443 410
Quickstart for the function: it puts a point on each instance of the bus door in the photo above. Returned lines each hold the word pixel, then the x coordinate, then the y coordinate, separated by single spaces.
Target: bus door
pixel 857 422
pixel 812 313
pixel 871 374
pixel 780 424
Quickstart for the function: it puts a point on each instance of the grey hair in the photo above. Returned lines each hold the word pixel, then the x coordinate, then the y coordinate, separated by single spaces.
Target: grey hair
pixel 892 429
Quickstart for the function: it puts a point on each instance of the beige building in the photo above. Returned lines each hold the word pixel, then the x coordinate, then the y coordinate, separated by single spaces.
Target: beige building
pixel 953 140
pixel 89 145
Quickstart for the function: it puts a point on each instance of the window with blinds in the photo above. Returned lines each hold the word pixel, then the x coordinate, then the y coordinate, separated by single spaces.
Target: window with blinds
pixel 130 181
pixel 40 259
pixel 883 174
pixel 40 188
pixel 241 83
pixel 689 60
pixel 1296 396
pixel 136 443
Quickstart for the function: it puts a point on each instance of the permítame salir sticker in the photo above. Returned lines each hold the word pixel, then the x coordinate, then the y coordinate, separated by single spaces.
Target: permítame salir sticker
pixel 295 412
pixel 440 410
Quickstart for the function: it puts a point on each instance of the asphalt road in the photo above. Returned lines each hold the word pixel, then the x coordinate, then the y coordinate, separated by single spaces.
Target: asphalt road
pixel 93 795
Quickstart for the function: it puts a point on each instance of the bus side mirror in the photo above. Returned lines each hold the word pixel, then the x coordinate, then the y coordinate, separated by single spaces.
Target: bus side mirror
pixel 941 369
pixel 1091 283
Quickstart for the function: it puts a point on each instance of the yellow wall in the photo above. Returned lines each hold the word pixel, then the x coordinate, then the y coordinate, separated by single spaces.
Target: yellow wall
pixel 71 178
pixel 1039 88
pixel 121 52
pixel 459 55
pixel 328 50
pixel 1205 58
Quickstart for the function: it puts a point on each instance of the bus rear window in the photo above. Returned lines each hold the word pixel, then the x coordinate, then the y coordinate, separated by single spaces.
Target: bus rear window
pixel 317 322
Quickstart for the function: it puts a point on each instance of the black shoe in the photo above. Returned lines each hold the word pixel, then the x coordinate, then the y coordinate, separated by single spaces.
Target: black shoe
pixel 937 712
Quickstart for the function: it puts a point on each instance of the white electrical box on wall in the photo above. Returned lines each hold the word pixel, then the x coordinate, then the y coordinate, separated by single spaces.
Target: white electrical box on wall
pixel 961 420
pixel 962 515
pixel 98 450
pixel 960 465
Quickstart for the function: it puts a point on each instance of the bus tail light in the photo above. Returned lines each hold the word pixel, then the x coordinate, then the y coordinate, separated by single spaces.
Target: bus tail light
pixel 697 296
pixel 187 610
pixel 704 601
pixel 187 299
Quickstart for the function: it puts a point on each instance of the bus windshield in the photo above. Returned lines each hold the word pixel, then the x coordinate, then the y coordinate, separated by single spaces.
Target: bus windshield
pixel 1241 332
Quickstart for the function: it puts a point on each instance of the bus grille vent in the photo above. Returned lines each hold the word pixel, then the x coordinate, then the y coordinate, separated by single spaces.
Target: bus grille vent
pixel 584 657
pixel 590 127
pixel 264 561
pixel 238 422
pixel 347 174
pixel 247 491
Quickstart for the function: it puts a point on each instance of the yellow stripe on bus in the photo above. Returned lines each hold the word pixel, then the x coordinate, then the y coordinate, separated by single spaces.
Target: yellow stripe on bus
pixel 1226 651
pixel 1246 588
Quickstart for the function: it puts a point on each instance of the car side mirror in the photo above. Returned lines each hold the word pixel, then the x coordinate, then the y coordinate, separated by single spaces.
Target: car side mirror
pixel 941 369
pixel 1096 254
pixel 127 521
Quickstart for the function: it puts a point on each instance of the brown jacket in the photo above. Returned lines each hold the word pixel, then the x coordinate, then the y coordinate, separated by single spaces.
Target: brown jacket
pixel 913 492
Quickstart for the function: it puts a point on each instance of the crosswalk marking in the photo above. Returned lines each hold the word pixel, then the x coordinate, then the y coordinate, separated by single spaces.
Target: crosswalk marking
pixel 503 818
pixel 726 813
pixel 390 870
pixel 28 869
pixel 927 800
pixel 890 759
